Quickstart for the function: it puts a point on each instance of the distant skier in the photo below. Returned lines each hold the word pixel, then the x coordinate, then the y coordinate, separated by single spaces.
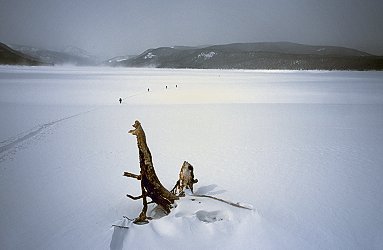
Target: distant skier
pixel 148 89
pixel 120 100
pixel 176 85
pixel 166 86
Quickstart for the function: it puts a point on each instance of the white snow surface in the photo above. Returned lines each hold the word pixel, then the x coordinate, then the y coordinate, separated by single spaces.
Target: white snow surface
pixel 303 149
pixel 207 56
pixel 150 55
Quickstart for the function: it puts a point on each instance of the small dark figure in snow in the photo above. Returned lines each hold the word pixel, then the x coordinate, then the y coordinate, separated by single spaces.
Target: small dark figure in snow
pixel 166 86
pixel 148 89
pixel 176 85
pixel 120 100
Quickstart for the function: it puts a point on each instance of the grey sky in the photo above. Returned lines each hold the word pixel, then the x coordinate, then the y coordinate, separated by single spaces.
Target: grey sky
pixel 119 27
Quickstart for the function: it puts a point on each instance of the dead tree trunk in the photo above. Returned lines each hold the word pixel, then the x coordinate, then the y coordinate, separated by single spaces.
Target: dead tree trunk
pixel 150 184
pixel 186 180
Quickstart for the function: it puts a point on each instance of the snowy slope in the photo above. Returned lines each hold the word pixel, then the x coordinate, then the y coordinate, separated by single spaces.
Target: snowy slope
pixel 303 148
pixel 70 55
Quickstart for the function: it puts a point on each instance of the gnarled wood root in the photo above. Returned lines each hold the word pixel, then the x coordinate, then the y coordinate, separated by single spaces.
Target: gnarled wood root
pixel 150 184
pixel 186 180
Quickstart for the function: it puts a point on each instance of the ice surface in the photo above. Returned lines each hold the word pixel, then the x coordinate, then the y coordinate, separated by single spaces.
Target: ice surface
pixel 303 149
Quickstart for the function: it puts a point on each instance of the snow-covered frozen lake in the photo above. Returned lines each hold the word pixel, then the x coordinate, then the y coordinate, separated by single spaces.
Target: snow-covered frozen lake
pixel 304 148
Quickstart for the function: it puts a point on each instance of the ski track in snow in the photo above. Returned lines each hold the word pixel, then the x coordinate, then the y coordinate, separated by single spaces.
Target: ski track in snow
pixel 303 147
pixel 11 145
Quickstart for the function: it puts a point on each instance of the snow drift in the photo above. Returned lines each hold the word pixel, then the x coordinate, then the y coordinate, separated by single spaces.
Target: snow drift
pixel 303 149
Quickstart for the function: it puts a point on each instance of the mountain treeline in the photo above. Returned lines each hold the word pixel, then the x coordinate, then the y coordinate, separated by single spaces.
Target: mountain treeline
pixel 281 55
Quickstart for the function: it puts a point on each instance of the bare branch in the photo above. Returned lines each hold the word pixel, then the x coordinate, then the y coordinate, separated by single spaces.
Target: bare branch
pixel 127 174
pixel 135 197
pixel 221 200
pixel 120 226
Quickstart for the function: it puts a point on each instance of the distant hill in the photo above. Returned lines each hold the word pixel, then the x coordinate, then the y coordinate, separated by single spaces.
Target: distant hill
pixel 276 55
pixel 13 57
pixel 70 55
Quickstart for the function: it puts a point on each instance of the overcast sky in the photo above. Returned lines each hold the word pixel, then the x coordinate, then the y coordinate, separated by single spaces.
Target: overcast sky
pixel 120 27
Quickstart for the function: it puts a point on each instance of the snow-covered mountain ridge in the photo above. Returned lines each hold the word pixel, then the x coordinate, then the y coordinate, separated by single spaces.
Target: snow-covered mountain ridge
pixel 280 55
pixel 70 55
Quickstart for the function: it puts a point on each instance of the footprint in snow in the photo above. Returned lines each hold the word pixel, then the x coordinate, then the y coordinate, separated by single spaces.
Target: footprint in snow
pixel 213 216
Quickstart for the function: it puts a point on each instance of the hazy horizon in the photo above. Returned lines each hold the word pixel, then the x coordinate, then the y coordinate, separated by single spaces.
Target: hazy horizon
pixel 107 29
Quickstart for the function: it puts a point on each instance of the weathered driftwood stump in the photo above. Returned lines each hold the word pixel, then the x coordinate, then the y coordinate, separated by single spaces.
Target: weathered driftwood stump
pixel 150 184
pixel 186 180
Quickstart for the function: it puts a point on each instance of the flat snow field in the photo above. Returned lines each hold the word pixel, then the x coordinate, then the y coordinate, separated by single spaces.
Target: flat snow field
pixel 303 149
